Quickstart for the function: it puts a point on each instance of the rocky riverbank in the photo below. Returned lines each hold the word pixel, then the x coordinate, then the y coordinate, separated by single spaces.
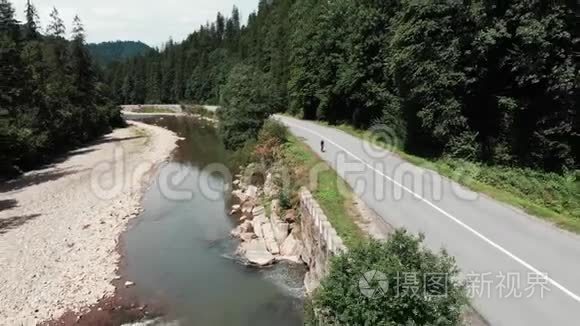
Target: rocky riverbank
pixel 60 228
pixel 268 234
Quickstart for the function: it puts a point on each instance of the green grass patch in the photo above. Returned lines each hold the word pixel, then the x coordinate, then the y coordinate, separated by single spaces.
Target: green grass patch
pixel 154 109
pixel 550 196
pixel 198 110
pixel 337 205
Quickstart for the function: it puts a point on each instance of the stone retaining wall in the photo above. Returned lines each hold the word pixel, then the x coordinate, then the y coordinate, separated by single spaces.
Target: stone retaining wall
pixel 320 240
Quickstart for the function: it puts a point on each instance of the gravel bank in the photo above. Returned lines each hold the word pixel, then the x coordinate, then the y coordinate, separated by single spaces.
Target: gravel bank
pixel 59 226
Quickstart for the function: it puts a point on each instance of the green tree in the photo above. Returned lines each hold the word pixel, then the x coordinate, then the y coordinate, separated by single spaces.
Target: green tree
pixel 80 65
pixel 8 23
pixel 11 83
pixel 428 49
pixel 56 26
pixel 220 26
pixel 32 21
pixel 51 98
pixel 523 92
pixel 247 101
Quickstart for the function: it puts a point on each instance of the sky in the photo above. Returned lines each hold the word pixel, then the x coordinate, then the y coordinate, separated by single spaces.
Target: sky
pixel 152 22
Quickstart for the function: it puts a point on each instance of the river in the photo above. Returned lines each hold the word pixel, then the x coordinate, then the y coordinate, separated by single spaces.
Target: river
pixel 179 251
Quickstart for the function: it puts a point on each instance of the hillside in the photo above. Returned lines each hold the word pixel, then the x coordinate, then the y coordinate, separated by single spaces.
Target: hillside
pixel 108 52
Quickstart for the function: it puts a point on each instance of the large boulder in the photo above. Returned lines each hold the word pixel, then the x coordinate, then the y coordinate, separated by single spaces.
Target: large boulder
pixel 245 227
pixel 258 210
pixel 247 207
pixel 292 246
pixel 270 238
pixel 235 209
pixel 257 223
pixel 290 259
pixel 252 192
pixel 239 195
pixel 281 231
pixel 256 253
pixel 247 237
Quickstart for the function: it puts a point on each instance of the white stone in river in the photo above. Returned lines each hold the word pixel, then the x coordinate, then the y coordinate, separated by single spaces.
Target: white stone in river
pixel 256 253
pixel 291 246
pixel 270 239
pixel 257 225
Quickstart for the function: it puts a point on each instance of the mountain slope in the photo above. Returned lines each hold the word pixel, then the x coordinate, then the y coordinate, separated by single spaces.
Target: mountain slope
pixel 107 52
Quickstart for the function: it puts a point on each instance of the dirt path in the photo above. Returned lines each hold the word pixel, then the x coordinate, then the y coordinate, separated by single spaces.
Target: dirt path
pixel 59 226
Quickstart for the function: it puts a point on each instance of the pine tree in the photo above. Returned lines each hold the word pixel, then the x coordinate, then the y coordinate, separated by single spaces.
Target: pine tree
pixel 234 32
pixel 80 65
pixel 56 26
pixel 236 19
pixel 8 24
pixel 78 30
pixel 32 24
pixel 220 26
pixel 10 63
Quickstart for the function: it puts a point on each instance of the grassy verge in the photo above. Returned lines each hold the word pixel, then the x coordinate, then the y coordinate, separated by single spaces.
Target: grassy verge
pixel 154 109
pixel 550 196
pixel 198 110
pixel 338 206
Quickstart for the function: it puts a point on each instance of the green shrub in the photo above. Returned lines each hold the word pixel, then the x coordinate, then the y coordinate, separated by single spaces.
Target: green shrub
pixel 243 156
pixel 286 199
pixel 273 129
pixel 397 282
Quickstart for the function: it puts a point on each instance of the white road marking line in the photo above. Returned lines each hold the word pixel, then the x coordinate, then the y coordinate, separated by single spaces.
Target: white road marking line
pixel 453 218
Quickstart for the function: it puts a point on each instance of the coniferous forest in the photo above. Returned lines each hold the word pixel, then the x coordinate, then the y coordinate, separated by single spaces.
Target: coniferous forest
pixel 484 80
pixel 52 97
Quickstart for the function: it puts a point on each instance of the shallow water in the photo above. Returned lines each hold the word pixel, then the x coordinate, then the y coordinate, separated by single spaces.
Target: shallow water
pixel 179 251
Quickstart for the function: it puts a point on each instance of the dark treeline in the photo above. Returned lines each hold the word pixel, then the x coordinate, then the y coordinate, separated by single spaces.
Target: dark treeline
pixel 51 97
pixel 486 80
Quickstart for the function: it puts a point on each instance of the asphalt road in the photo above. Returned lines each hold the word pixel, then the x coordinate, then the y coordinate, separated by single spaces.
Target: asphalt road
pixel 523 271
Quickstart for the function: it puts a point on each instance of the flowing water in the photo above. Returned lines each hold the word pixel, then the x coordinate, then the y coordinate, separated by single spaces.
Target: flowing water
pixel 179 251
